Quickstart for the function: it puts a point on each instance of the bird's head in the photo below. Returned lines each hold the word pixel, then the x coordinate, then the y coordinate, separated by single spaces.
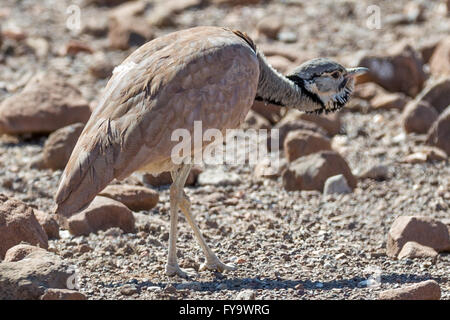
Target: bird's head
pixel 326 82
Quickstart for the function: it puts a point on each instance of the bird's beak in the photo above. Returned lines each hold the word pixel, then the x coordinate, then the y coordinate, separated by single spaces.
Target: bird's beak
pixel 353 72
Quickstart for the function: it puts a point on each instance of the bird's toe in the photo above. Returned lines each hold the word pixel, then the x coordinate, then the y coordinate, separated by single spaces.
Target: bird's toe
pixel 173 270
pixel 217 265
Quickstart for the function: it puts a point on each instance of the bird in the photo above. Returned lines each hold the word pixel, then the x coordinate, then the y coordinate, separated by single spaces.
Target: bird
pixel 208 74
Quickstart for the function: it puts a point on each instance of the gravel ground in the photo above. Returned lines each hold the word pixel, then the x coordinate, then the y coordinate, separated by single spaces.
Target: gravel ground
pixel 287 245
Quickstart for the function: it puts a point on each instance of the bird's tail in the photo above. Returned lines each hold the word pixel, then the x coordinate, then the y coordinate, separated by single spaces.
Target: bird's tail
pixel 89 170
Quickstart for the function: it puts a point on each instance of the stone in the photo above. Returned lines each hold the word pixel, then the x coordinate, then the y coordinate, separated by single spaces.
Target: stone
pixel 106 3
pixel 19 252
pixel 440 60
pixel 336 185
pixel 331 122
pixel 62 294
pixel 47 103
pixel 74 47
pixel 439 133
pixel 426 154
pixel 311 172
pixel 49 223
pixel 103 213
pixel 418 117
pixel 290 123
pixel 254 120
pixel 423 230
pixel 18 224
pixel 29 278
pixel 299 143
pixel 368 91
pixel 129 290
pixel 399 71
pixel 281 64
pixel 163 14
pixel 270 169
pixel 218 177
pixel 412 250
pixel 136 198
pixel 389 101
pixel 377 172
pixel 59 146
pixel 270 26
pixel 271 112
pixel 165 178
pixel 437 94
pixel 425 290
pixel 246 295
pixel 126 28
pixel 100 67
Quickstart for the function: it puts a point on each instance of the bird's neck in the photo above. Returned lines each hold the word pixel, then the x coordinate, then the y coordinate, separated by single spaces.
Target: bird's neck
pixel 275 88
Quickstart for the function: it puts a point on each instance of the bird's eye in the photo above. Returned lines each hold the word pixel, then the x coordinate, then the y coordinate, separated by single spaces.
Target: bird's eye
pixel 335 74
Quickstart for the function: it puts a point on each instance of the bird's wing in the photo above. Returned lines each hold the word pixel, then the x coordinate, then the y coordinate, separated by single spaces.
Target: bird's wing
pixel 168 83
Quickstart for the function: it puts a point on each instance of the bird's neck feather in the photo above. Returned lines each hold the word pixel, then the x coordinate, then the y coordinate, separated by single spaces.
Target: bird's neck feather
pixel 275 88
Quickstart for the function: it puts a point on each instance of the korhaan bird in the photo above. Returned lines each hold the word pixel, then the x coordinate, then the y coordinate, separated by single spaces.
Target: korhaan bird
pixel 207 74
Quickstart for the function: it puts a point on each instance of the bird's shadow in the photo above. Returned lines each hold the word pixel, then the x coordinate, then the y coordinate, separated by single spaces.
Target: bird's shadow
pixel 237 284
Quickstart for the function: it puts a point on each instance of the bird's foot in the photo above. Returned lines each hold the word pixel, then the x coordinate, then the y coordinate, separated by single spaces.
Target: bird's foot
pixel 174 269
pixel 216 265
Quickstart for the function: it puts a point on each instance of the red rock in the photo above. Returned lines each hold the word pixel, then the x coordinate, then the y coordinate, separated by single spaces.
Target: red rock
pixel 163 14
pixel 290 123
pixel 440 60
pixel 19 252
pixel 108 3
pixel 49 223
pixel 400 71
pixel 136 198
pixel 27 279
pixel 281 64
pixel 423 230
pixel 18 224
pixel 62 294
pixel 59 145
pixel 418 117
pixel 426 154
pixel 165 178
pixel 270 170
pixel 311 172
pixel 270 26
pixel 439 133
pixel 73 47
pixel 103 213
pixel 299 143
pixel 127 29
pixel 425 290
pixel 389 101
pixel 100 67
pixel 46 104
pixel 254 120
pixel 412 250
pixel 437 94
pixel 368 91
pixel 271 112
pixel 330 122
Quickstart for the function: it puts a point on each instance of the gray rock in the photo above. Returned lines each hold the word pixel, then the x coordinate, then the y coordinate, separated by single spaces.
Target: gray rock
pixel 218 177
pixel 336 184
pixel 246 295
pixel 30 277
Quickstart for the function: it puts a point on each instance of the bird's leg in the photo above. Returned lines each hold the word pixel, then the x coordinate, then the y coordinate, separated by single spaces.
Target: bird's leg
pixel 212 262
pixel 179 177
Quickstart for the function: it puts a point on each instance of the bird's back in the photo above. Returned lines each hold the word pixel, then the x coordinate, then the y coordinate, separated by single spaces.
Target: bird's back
pixel 206 74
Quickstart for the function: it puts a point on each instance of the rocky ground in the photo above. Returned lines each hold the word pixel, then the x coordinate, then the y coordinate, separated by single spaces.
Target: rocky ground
pixel 300 244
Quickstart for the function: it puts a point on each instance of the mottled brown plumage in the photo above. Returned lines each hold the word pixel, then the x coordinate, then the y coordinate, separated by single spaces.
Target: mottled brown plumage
pixel 206 74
